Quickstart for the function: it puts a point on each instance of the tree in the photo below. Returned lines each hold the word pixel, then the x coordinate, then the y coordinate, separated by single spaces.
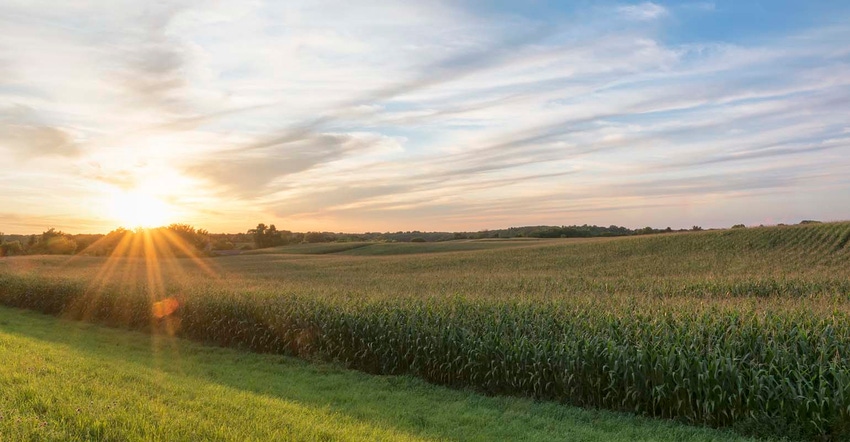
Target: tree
pixel 61 245
pixel 259 235
pixel 223 244
pixel 52 242
pixel 197 238
pixel 267 236
pixel 314 237
pixel 11 248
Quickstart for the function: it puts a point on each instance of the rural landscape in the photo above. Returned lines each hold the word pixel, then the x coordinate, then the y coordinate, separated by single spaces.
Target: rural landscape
pixel 746 330
pixel 385 220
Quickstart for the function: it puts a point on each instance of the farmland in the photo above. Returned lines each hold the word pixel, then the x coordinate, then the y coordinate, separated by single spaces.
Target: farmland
pixel 743 328
pixel 66 380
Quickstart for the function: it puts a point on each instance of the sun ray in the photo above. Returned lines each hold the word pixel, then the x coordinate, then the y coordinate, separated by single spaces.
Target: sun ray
pixel 153 256
pixel 180 244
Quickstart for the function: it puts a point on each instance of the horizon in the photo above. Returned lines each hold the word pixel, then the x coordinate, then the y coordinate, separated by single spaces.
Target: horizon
pixel 390 232
pixel 453 117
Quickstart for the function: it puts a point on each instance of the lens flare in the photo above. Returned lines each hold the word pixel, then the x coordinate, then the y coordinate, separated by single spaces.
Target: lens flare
pixel 167 306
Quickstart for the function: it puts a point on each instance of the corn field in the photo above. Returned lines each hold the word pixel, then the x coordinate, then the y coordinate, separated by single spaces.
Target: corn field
pixel 748 328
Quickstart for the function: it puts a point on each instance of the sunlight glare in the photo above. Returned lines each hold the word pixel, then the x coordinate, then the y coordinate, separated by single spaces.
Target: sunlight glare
pixel 137 209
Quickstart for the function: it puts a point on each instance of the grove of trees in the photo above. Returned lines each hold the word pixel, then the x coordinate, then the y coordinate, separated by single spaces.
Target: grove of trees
pixel 268 236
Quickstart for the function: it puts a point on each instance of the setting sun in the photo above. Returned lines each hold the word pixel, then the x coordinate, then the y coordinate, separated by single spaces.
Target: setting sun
pixel 137 209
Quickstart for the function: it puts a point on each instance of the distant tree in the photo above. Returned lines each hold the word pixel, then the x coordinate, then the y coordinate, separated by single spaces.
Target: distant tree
pixel 49 234
pixel 417 239
pixel 286 237
pixel 223 244
pixel 272 237
pixel 314 237
pixel 111 242
pixel 61 245
pixel 52 242
pixel 86 241
pixel 11 248
pixel 809 221
pixel 739 226
pixel 259 234
pixel 269 236
pixel 196 238
pixel 696 228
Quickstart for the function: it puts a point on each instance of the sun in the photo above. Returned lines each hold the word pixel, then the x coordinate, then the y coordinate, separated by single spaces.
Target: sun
pixel 137 209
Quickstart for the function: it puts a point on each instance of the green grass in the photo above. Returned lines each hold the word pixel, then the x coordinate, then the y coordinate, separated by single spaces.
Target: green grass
pixel 309 249
pixel 65 380
pixel 385 249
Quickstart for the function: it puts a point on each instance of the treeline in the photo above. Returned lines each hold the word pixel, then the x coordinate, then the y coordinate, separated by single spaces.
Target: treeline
pixel 175 239
pixel 50 242
pixel 179 240
pixel 264 236
pixel 583 231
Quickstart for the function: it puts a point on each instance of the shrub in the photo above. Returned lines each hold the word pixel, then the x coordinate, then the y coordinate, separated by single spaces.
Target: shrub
pixel 11 248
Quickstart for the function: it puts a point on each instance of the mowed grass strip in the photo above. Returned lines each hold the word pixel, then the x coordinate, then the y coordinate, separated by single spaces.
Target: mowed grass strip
pixel 64 380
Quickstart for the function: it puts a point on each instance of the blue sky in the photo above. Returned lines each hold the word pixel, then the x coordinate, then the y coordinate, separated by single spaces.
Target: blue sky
pixel 377 115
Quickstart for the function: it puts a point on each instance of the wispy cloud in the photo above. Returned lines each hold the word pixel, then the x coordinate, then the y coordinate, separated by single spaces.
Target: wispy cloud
pixel 642 11
pixel 428 115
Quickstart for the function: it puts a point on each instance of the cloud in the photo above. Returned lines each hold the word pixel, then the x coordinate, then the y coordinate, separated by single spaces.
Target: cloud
pixel 642 11
pixel 31 141
pixel 261 108
pixel 701 6
pixel 250 172
pixel 122 179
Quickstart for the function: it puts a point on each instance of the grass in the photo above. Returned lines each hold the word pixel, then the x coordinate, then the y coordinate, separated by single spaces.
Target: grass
pixel 386 249
pixel 73 381
pixel 309 249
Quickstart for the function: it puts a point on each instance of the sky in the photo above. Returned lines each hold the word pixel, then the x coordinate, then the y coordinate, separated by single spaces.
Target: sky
pixel 371 116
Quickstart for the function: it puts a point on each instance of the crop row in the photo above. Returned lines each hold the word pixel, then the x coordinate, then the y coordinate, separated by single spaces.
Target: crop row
pixel 765 371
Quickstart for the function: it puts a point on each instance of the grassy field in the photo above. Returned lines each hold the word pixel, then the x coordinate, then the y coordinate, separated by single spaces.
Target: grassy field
pixel 66 380
pixel 744 328
pixel 383 249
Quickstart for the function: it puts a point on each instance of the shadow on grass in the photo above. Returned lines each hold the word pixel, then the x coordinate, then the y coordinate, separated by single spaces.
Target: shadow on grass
pixel 402 404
